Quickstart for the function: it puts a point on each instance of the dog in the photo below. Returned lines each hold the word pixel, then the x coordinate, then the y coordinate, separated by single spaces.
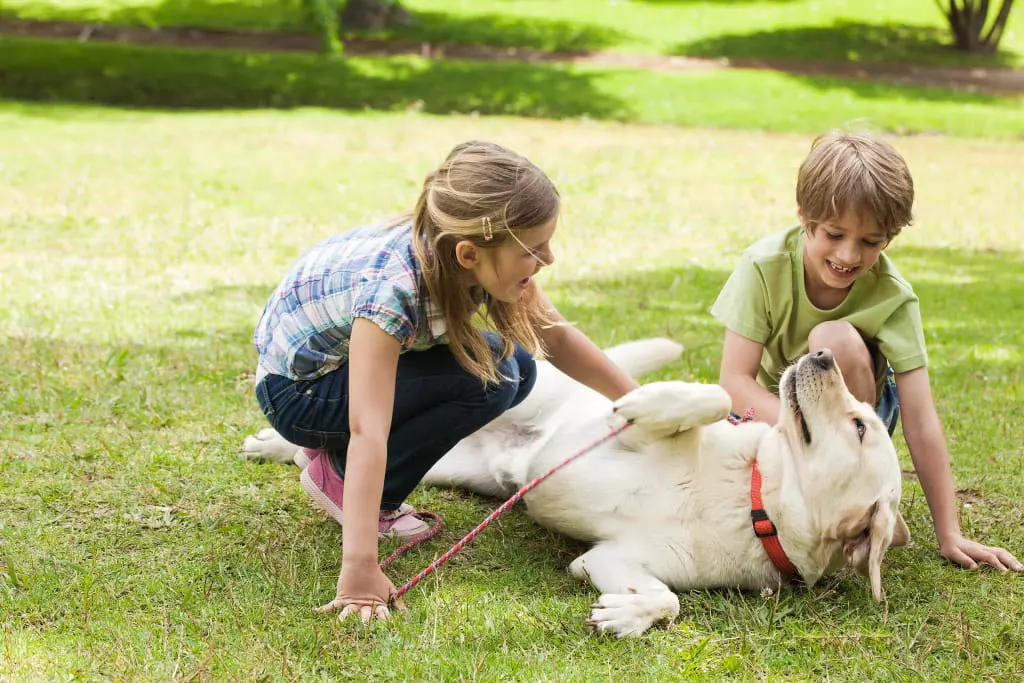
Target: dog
pixel 669 504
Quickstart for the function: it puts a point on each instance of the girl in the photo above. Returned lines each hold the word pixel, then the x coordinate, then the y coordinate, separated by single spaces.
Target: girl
pixel 369 357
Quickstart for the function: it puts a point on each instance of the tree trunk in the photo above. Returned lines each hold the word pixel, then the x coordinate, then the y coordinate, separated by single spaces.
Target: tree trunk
pixel 374 15
pixel 968 20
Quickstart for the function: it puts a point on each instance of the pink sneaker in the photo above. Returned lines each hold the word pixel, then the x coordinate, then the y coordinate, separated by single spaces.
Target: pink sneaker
pixel 304 456
pixel 326 489
pixel 323 485
pixel 401 523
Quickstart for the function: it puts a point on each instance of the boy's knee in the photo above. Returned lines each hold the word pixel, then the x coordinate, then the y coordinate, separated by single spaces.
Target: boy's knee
pixel 841 337
pixel 847 345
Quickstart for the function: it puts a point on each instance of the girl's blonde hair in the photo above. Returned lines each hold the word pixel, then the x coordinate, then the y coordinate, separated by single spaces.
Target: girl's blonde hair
pixel 858 171
pixel 486 194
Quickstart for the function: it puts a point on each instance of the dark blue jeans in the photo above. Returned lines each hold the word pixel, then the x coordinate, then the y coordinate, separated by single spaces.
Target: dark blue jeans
pixel 437 404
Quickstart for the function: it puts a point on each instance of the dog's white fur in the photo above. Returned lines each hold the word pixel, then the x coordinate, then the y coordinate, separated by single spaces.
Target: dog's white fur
pixel 667 502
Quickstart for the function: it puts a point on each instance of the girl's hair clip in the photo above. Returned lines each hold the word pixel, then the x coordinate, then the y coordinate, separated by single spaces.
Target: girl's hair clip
pixel 488 233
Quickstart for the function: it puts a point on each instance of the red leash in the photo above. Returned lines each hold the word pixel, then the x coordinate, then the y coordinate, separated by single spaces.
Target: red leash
pixel 490 518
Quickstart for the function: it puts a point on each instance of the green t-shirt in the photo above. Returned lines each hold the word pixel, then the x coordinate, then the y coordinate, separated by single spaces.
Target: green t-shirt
pixel 765 301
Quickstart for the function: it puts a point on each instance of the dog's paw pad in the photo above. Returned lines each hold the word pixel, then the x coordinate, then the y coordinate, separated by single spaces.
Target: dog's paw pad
pixel 619 615
pixel 639 404
pixel 267 446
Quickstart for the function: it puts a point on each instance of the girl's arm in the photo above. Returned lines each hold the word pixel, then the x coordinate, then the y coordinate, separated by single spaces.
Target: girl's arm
pixel 373 366
pixel 927 445
pixel 576 355
pixel 741 360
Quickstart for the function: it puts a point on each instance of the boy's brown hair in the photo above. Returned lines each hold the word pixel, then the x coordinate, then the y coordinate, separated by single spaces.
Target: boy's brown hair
pixel 858 171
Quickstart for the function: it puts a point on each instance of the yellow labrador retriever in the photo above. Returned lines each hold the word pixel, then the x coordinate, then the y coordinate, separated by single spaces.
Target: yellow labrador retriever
pixel 669 504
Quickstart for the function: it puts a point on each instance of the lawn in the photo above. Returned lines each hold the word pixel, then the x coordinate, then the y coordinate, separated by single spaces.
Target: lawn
pixel 135 76
pixel 855 30
pixel 137 248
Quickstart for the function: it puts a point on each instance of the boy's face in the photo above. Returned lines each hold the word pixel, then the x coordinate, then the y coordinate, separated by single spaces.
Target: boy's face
pixel 838 251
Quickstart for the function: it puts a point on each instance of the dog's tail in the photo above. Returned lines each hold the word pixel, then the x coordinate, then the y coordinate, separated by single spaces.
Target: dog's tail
pixel 638 358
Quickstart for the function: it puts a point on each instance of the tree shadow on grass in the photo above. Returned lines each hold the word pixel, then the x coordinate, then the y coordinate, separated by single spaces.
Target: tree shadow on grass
pixel 499 30
pixel 712 2
pixel 496 30
pixel 125 75
pixel 844 41
pixel 894 86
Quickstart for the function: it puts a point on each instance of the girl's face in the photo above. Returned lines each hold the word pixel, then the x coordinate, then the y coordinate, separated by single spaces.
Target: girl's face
pixel 836 253
pixel 505 272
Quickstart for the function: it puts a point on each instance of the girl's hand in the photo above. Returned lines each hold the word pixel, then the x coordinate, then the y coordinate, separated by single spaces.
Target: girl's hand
pixel 968 553
pixel 363 590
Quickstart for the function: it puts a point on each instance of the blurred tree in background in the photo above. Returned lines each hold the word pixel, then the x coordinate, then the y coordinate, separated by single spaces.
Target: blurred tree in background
pixel 969 22
pixel 363 15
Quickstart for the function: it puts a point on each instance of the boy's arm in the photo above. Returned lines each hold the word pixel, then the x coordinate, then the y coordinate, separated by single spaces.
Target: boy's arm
pixel 923 432
pixel 741 360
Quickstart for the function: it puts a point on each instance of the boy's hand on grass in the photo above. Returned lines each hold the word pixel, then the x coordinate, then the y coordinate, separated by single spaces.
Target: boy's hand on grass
pixel 968 553
pixel 365 591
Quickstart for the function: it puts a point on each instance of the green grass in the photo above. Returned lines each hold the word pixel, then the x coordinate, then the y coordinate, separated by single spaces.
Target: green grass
pixel 136 251
pixel 175 78
pixel 857 30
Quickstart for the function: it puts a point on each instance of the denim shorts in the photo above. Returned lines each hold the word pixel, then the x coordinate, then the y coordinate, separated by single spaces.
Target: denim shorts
pixel 888 405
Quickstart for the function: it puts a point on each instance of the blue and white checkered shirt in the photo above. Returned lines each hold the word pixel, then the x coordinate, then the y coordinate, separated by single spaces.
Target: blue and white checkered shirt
pixel 370 272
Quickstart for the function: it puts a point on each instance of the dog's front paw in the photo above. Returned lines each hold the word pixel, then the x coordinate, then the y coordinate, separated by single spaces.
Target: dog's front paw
pixel 674 406
pixel 646 404
pixel 267 445
pixel 630 615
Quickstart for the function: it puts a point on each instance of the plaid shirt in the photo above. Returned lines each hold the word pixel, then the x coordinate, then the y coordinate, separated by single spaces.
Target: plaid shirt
pixel 370 272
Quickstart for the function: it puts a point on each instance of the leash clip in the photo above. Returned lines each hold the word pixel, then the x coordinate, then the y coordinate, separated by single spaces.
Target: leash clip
pixel 759 516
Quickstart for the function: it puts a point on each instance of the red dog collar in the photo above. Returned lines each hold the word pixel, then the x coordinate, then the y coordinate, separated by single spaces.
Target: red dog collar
pixel 765 529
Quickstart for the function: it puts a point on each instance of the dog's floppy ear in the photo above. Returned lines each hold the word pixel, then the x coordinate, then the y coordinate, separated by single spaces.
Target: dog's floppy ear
pixel 900 532
pixel 866 535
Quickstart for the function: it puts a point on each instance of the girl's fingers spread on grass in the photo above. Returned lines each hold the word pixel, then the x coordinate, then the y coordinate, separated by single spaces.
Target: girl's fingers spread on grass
pixel 332 606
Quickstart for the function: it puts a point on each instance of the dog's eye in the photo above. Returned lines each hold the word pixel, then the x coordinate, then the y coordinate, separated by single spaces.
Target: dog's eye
pixel 861 428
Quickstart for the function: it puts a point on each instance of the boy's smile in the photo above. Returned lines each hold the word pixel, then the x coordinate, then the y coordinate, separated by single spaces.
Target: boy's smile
pixel 836 253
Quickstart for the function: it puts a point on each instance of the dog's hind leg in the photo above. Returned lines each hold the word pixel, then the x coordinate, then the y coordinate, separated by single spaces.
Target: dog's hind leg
pixel 632 599
pixel 637 358
pixel 480 463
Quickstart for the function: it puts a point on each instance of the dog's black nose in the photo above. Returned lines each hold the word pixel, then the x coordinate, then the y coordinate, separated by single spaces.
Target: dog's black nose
pixel 824 359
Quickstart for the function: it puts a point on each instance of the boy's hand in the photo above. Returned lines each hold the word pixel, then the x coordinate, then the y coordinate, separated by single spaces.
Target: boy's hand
pixel 968 553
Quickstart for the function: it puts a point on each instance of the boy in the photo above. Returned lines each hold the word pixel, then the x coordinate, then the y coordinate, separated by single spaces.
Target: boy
pixel 827 284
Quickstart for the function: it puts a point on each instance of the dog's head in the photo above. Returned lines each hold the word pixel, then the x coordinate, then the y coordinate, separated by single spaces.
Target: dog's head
pixel 847 466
